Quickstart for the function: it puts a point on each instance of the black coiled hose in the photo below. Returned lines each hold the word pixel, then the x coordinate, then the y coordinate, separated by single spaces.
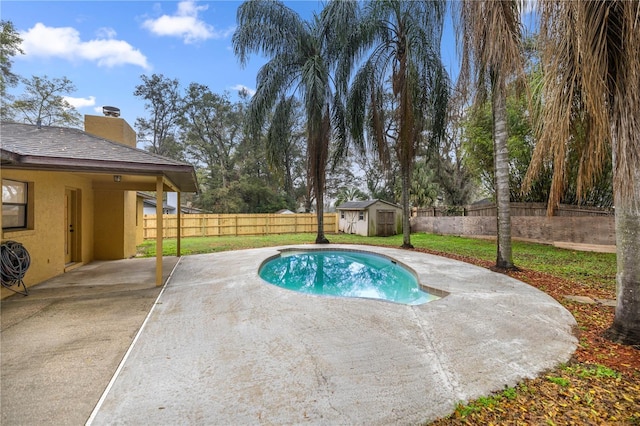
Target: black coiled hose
pixel 14 262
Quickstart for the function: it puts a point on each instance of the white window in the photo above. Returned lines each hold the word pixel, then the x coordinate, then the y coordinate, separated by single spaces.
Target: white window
pixel 360 215
pixel 14 204
pixel 342 215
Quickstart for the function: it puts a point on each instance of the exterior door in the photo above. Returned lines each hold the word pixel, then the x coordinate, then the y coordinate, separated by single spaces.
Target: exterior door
pixel 386 223
pixel 70 221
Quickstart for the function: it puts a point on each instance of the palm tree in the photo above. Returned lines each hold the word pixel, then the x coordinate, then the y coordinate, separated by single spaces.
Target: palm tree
pixel 590 54
pixel 491 43
pixel 349 193
pixel 397 44
pixel 299 63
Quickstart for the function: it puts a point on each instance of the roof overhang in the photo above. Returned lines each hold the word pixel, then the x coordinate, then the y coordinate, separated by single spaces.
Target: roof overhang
pixel 134 176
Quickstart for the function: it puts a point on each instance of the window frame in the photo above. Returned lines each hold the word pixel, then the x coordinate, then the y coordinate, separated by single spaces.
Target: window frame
pixel 27 205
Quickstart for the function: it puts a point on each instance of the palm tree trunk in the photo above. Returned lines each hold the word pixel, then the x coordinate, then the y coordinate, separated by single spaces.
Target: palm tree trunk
pixel 318 170
pixel 626 323
pixel 405 171
pixel 320 238
pixel 501 164
pixel 319 149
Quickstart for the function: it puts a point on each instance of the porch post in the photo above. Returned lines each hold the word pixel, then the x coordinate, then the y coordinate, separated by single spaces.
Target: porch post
pixel 159 229
pixel 179 227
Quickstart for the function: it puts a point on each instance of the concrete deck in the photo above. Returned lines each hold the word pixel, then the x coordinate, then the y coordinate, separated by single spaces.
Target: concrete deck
pixel 221 346
pixel 60 346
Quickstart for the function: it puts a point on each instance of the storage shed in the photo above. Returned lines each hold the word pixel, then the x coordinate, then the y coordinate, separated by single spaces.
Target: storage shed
pixel 370 218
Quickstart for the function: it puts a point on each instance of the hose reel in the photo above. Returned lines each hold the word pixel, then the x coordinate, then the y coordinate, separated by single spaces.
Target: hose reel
pixel 14 262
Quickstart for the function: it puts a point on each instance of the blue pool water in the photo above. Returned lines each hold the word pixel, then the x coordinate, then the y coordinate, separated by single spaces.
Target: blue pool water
pixel 344 273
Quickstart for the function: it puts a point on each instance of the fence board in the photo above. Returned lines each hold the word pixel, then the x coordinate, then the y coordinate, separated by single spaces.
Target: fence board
pixel 212 225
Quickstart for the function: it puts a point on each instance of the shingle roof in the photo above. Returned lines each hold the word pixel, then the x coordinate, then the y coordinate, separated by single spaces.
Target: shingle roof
pixel 355 205
pixel 362 205
pixel 30 146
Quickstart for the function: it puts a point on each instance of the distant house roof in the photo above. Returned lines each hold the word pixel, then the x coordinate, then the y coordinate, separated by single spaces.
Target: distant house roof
pixel 152 203
pixel 149 200
pixel 362 205
pixel 27 146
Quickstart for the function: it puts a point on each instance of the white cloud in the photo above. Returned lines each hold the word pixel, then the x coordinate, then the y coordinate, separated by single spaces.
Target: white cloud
pixel 185 24
pixel 81 102
pixel 242 87
pixel 111 53
pixel 106 32
pixel 65 42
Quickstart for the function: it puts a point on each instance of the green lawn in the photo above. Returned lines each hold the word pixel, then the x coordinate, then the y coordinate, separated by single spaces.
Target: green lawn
pixel 591 269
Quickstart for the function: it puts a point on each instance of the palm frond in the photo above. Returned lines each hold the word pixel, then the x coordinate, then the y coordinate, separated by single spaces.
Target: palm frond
pixel 341 139
pixel 592 83
pixel 267 27
pixel 279 133
pixel 274 80
pixel 489 37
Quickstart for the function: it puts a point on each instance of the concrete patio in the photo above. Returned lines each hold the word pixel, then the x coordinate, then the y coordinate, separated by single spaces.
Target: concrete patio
pixel 220 346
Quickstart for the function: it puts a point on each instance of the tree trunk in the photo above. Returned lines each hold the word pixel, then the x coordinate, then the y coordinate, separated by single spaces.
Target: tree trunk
pixel 626 323
pixel 320 238
pixel 405 171
pixel 501 165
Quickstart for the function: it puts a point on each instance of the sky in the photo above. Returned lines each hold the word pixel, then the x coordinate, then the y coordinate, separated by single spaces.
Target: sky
pixel 104 47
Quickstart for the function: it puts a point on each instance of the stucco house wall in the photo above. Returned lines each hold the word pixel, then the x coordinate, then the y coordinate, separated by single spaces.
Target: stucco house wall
pixel 115 224
pixel 139 220
pixel 115 211
pixel 45 241
pixel 112 128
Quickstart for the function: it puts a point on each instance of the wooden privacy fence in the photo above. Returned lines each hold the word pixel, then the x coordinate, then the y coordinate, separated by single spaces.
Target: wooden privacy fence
pixel 216 225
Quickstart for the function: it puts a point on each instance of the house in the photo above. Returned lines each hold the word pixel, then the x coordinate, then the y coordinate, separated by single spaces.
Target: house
pixel 169 203
pixel 149 205
pixel 70 196
pixel 370 218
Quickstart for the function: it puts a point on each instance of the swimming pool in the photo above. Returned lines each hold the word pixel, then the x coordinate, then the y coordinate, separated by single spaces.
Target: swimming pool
pixel 344 273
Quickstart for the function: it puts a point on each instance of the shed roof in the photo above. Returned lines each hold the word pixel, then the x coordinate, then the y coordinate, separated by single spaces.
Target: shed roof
pixel 363 205
pixel 28 146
